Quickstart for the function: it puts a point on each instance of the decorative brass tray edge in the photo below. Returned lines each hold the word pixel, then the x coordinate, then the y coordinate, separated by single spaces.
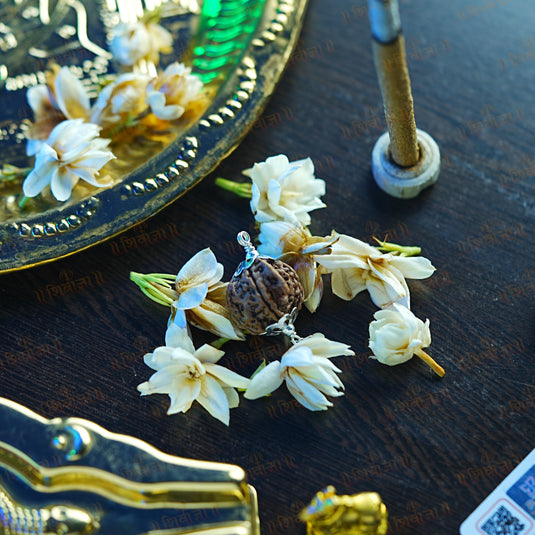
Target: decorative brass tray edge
pixel 207 164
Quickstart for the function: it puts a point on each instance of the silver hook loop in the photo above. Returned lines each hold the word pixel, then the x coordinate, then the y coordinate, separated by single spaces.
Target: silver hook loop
pixel 251 254
pixel 285 326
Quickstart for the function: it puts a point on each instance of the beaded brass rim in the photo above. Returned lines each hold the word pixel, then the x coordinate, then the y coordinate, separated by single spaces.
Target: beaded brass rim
pixel 248 69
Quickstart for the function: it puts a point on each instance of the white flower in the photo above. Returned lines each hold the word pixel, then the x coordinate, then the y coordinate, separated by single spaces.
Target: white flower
pixel 396 335
pixel 63 97
pixel 72 152
pixel 189 375
pixel 357 266
pixel 172 91
pixel 296 246
pixel 307 370
pixel 134 41
pixel 121 100
pixel 285 191
pixel 201 297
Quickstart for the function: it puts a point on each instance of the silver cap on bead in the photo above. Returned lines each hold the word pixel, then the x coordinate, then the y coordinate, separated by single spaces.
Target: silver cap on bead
pixel 251 254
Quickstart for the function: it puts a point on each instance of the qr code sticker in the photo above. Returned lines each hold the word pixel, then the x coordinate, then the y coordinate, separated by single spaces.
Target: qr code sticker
pixel 503 522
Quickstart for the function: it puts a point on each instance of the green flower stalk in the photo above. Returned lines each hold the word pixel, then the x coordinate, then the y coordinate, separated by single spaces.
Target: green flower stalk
pixel 394 248
pixel 156 286
pixel 242 189
pixel 9 172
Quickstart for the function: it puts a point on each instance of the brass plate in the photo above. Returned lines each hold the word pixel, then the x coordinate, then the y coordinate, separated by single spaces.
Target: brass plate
pixel 73 472
pixel 241 75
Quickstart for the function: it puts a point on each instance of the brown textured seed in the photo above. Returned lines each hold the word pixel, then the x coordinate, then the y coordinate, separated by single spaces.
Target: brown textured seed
pixel 261 294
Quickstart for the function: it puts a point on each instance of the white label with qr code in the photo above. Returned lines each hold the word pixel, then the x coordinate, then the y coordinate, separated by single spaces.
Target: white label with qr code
pixel 510 508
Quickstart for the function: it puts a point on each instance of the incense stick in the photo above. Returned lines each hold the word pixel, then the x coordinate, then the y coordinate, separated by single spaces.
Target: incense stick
pixel 391 66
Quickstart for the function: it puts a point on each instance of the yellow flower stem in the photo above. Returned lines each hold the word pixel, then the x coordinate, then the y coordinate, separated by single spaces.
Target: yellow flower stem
pixel 402 250
pixel 439 370
pixel 242 189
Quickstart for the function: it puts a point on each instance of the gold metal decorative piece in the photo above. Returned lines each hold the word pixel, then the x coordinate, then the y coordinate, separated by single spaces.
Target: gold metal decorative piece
pixel 358 514
pixel 70 476
pixel 52 520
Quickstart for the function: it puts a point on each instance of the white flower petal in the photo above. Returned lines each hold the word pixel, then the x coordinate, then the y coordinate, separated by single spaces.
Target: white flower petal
pixel 265 381
pixel 347 283
pixel 184 358
pixel 271 236
pixel 71 95
pixel 305 266
pixel 413 267
pixel 274 192
pixel 160 382
pixel 356 247
pixel 61 183
pixel 38 180
pixel 157 102
pixel 38 98
pixel 175 336
pixel 130 42
pixel 340 259
pixel 209 320
pixel 297 355
pixel 33 146
pixel 311 398
pixel 232 397
pixel 388 275
pixel 323 347
pixel 191 297
pixel 320 245
pixel 170 113
pixel 159 358
pixel 182 399
pixel 63 159
pixel 182 375
pixel 155 99
pixel 255 197
pixel 313 300
pixel 209 354
pixel 214 281
pixel 396 334
pixel 213 398
pixel 319 375
pixel 88 175
pixel 285 191
pixel 178 317
pixel 94 159
pixel 384 294
pixel 199 269
pixel 226 376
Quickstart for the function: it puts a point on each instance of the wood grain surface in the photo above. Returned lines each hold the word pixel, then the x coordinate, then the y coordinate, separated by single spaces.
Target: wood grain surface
pixel 433 448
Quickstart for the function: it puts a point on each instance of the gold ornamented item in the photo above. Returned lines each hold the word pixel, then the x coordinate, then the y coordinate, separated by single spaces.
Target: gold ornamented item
pixel 69 476
pixel 357 514
pixel 17 518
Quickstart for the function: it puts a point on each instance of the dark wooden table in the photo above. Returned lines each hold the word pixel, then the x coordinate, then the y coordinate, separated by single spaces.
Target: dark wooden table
pixel 434 449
